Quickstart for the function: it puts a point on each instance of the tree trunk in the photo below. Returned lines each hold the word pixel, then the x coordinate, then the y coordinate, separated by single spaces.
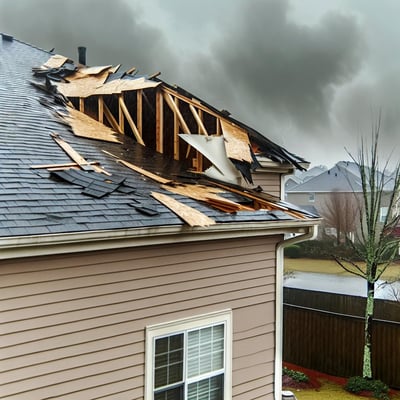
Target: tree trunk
pixel 369 311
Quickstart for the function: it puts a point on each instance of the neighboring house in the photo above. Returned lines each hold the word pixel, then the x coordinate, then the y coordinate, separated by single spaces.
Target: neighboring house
pixel 123 276
pixel 336 194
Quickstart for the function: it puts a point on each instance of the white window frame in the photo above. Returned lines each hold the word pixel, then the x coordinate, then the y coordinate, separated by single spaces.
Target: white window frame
pixel 196 322
pixel 311 197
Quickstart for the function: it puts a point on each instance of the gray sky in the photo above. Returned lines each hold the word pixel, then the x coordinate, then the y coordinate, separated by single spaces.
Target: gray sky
pixel 311 75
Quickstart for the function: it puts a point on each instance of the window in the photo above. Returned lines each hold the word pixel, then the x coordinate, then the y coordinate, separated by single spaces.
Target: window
pixel 383 214
pixel 190 359
pixel 311 197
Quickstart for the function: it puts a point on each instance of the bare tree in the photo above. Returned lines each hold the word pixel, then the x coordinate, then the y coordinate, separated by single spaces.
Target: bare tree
pixel 340 212
pixel 376 242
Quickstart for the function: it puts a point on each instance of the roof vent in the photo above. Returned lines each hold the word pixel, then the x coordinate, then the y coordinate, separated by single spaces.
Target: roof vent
pixel 82 55
pixel 7 38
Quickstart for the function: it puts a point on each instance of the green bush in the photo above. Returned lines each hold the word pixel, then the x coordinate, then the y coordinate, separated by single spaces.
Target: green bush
pixel 293 251
pixel 295 375
pixel 325 249
pixel 357 384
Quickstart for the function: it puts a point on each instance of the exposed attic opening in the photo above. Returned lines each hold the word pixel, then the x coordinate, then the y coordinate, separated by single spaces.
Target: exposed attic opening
pixel 162 117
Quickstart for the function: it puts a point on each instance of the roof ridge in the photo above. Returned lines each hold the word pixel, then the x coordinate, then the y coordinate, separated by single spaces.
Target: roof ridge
pixel 26 43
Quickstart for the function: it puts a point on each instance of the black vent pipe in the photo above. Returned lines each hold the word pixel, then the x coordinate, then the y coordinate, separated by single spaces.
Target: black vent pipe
pixel 82 55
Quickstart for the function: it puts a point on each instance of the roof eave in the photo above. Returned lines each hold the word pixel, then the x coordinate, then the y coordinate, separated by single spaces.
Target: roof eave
pixel 267 165
pixel 44 245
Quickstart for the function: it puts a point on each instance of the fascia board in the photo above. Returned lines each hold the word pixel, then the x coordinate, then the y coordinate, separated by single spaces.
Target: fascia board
pixel 41 245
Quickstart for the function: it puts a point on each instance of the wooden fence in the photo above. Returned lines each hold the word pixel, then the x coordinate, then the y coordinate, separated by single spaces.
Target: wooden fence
pixel 332 342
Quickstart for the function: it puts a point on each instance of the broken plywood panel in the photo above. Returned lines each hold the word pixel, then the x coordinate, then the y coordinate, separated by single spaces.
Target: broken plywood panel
pixel 85 126
pixel 75 156
pixel 55 61
pixel 190 215
pixel 237 143
pixel 94 70
pixel 118 86
pixel 208 195
pixel 81 85
pixel 84 85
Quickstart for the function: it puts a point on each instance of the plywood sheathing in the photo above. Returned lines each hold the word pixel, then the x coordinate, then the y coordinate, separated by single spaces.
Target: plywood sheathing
pixel 83 84
pixel 237 143
pixel 190 215
pixel 208 195
pixel 55 61
pixel 85 126
pixel 76 157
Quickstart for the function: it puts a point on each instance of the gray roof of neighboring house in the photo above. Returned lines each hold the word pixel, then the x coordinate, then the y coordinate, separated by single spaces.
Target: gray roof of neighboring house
pixel 35 201
pixel 335 179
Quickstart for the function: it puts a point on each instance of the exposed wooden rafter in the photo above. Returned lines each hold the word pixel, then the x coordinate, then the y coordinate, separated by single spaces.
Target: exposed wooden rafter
pixel 111 119
pixel 159 122
pixel 100 103
pixel 128 117
pixel 139 111
pixel 171 103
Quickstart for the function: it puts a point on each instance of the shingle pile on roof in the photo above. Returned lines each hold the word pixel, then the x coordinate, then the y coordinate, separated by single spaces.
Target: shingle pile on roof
pixel 53 180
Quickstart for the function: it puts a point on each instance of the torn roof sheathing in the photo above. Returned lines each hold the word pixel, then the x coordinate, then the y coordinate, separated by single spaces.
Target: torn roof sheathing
pixel 212 147
pixel 94 84
pixel 35 203
pixel 85 126
pixel 237 142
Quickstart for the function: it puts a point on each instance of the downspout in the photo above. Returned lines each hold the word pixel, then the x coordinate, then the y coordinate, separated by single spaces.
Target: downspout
pixel 310 235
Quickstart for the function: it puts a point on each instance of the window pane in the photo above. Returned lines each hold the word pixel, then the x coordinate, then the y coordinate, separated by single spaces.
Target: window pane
pixel 168 360
pixel 160 377
pixel 175 373
pixel 207 389
pixel 206 350
pixel 170 394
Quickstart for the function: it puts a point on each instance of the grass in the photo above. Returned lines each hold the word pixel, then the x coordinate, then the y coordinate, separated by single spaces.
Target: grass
pixel 332 267
pixel 327 387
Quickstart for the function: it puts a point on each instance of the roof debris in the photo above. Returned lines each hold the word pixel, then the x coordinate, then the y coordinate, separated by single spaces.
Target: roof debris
pixel 190 215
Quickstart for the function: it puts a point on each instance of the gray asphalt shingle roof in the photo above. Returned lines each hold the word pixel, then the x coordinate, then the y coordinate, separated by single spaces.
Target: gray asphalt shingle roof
pixel 32 202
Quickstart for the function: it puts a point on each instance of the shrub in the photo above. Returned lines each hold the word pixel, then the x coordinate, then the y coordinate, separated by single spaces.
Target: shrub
pixel 358 384
pixel 293 251
pixel 295 375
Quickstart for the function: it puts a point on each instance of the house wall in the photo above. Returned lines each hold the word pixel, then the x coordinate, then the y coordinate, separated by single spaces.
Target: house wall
pixel 269 181
pixel 73 326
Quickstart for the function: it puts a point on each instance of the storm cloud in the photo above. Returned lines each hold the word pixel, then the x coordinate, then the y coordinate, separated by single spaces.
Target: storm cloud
pixel 275 66
pixel 112 31
pixel 308 84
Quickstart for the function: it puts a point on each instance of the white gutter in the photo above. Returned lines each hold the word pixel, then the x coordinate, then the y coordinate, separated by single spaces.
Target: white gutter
pixel 40 245
pixel 310 235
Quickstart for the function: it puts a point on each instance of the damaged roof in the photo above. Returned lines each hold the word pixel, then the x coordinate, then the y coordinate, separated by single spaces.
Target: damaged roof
pixel 58 176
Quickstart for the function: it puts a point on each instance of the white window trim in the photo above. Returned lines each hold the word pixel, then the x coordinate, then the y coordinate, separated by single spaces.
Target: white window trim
pixel 195 322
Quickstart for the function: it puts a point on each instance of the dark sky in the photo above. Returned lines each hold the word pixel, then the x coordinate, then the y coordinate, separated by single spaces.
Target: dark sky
pixel 311 75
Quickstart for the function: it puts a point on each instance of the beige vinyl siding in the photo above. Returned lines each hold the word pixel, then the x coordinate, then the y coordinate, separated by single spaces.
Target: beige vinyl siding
pixel 268 181
pixel 73 326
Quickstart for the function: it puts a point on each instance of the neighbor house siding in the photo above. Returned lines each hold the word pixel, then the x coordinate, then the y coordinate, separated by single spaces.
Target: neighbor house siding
pixel 73 326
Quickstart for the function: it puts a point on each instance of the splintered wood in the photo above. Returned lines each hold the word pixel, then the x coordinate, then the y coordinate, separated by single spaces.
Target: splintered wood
pixel 75 156
pixel 190 215
pixel 237 143
pixel 208 195
pixel 55 61
pixel 85 126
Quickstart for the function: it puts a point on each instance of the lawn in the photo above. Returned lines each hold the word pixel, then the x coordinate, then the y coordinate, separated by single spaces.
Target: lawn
pixel 326 387
pixel 332 267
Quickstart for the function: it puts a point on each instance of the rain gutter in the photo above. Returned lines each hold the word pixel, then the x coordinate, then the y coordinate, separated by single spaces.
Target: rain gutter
pixel 311 234
pixel 63 243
